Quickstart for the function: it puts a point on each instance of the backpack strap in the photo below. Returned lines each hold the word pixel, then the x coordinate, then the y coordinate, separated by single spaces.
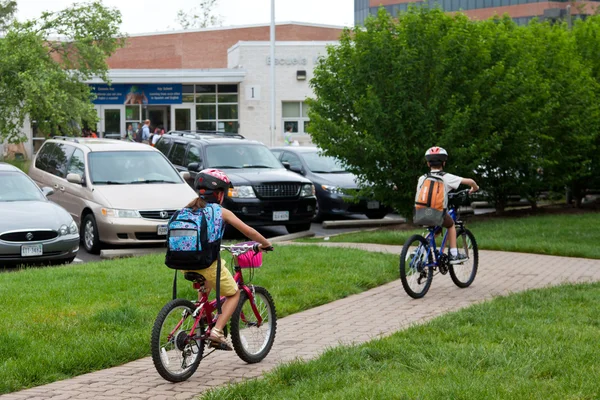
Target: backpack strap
pixel 175 286
pixel 218 283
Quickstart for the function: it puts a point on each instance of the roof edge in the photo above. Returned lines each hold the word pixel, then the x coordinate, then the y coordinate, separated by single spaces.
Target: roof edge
pixel 232 27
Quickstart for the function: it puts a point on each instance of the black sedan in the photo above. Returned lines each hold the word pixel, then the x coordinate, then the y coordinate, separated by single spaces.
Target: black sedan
pixel 334 186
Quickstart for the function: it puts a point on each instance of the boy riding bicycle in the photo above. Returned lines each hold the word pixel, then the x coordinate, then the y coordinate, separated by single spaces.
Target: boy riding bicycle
pixel 436 160
pixel 211 185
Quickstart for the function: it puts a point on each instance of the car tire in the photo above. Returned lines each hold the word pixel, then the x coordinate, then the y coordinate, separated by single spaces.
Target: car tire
pixel 89 234
pixel 298 228
pixel 319 215
pixel 376 214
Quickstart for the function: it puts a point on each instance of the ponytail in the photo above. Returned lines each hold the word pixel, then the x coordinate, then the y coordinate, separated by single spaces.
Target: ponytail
pixel 196 204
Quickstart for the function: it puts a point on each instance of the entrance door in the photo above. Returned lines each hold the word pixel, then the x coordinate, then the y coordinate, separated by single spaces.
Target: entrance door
pixel 112 122
pixel 183 117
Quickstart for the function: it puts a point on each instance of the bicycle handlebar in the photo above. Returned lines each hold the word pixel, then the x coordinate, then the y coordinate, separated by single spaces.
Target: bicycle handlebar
pixel 239 249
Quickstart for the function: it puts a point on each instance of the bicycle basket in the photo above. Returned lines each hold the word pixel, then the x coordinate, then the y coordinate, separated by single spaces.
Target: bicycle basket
pixel 250 259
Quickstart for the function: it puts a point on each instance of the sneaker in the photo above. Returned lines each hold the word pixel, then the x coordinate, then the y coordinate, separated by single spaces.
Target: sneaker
pixel 458 259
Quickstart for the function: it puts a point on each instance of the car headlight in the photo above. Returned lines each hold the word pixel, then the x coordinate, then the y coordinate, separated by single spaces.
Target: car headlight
pixel 308 189
pixel 73 229
pixel 111 212
pixel 331 189
pixel 63 230
pixel 242 192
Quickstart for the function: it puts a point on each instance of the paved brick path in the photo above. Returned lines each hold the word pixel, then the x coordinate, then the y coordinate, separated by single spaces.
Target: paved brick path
pixel 388 307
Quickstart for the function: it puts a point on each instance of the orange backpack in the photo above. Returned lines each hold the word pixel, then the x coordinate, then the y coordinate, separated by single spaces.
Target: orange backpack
pixel 430 201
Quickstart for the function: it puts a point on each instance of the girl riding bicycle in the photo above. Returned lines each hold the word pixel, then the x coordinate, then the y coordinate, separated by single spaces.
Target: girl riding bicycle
pixel 211 185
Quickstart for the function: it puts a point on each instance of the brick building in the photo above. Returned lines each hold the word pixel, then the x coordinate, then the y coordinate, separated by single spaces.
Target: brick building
pixel 214 78
pixel 522 11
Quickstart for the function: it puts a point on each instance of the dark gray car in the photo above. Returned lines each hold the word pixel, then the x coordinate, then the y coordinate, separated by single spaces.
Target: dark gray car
pixel 33 230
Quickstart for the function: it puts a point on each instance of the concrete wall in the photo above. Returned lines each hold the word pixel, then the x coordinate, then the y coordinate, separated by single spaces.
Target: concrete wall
pixel 254 114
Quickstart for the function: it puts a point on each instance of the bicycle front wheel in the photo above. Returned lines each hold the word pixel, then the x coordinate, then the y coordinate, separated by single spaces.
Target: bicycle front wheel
pixel 416 266
pixel 251 341
pixel 176 355
pixel 464 274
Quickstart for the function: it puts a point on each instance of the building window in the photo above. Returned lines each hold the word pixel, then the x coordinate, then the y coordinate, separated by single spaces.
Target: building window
pixel 133 117
pixel 217 107
pixel 295 116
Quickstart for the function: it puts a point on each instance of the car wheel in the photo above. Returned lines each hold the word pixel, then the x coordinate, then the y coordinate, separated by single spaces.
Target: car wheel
pixel 89 234
pixel 298 228
pixel 376 214
pixel 319 215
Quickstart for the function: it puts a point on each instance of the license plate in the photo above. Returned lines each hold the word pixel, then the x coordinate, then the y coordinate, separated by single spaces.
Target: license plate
pixel 162 230
pixel 372 205
pixel 32 250
pixel 281 215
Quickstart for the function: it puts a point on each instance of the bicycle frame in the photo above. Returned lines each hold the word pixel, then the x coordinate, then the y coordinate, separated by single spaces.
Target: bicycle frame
pixel 206 308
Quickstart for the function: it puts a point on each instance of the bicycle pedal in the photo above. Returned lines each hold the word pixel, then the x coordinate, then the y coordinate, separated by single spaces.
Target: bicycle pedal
pixel 219 346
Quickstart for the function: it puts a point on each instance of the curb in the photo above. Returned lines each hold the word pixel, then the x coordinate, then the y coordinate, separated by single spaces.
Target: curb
pixel 293 236
pixel 362 222
pixel 127 253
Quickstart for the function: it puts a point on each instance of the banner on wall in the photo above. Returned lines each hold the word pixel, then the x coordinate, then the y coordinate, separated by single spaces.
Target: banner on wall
pixel 137 94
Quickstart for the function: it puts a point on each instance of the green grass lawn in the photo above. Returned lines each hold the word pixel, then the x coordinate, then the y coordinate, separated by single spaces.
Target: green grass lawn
pixel 58 322
pixel 540 344
pixel 575 235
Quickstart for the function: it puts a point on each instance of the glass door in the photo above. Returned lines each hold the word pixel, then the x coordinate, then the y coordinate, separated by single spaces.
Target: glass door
pixel 182 117
pixel 112 122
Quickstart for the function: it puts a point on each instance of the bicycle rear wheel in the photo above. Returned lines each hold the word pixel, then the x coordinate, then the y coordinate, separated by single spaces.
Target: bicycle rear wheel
pixel 176 355
pixel 251 342
pixel 416 266
pixel 464 274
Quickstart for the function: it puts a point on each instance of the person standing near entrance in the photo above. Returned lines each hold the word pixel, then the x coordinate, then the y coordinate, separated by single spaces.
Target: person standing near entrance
pixel 158 132
pixel 146 132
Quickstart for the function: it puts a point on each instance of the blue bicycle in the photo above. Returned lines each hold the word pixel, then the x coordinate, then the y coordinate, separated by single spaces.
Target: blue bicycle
pixel 420 259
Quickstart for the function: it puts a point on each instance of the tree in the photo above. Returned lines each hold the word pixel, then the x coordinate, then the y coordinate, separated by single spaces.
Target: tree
pixel 514 106
pixel 45 64
pixel 200 17
pixel 8 8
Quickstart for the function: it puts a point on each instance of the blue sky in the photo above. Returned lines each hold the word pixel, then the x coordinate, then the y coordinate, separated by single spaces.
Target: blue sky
pixel 140 16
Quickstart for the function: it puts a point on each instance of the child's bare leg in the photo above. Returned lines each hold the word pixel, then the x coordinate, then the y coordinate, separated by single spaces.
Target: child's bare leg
pixel 452 237
pixel 227 310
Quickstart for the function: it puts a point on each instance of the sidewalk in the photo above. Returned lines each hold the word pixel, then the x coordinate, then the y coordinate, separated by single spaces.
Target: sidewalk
pixel 388 308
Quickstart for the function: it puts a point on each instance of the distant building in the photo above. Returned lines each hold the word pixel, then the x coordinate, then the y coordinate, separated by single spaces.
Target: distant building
pixel 213 79
pixel 521 11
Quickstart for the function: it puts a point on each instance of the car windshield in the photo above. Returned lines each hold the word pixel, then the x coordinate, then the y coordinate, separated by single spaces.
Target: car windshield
pixel 319 163
pixel 131 167
pixel 17 187
pixel 240 156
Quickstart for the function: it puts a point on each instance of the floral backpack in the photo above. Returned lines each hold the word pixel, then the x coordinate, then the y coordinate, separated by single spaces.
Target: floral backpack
pixel 194 238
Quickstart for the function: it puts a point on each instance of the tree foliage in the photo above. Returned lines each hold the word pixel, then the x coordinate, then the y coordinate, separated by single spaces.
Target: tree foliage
pixel 8 9
pixel 45 64
pixel 199 17
pixel 514 106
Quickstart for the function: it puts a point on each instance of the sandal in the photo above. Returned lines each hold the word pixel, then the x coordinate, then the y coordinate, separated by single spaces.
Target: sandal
pixel 217 339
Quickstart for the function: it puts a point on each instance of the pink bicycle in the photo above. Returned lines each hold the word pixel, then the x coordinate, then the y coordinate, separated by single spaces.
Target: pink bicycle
pixel 182 327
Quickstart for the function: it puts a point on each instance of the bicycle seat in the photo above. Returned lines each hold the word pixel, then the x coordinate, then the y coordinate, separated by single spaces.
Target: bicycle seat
pixel 193 276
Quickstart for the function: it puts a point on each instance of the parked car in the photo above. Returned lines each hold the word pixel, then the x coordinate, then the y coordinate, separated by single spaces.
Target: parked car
pixel 33 230
pixel 117 192
pixel 264 192
pixel 334 185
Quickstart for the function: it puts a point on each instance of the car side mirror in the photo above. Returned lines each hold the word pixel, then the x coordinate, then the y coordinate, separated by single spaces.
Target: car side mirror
pixel 297 169
pixel 185 175
pixel 193 167
pixel 74 178
pixel 48 191
pixel 286 164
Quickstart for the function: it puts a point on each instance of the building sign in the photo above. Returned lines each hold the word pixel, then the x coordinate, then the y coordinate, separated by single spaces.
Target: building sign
pixel 293 60
pixel 137 94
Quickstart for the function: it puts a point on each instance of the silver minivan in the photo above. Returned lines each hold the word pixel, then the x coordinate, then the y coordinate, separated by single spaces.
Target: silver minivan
pixel 117 192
